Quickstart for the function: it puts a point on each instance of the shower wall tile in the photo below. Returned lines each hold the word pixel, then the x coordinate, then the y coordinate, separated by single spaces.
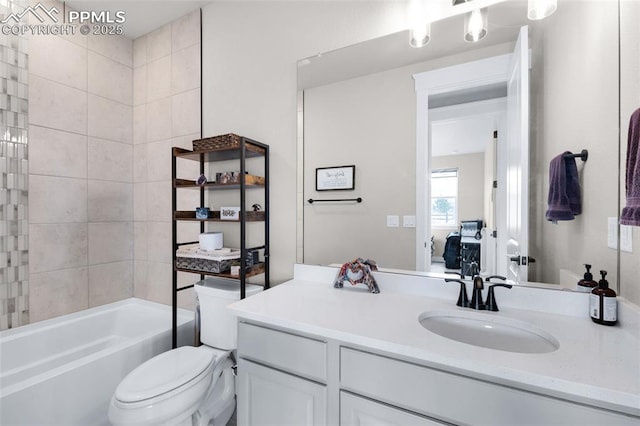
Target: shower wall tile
pixel 58 293
pixel 55 199
pixel 140 85
pixel 186 113
pixel 140 124
pixel 119 49
pixel 109 160
pixel 140 201
pixel 140 236
pixel 57 106
pixel 44 61
pixel 159 241
pixel 110 120
pixel 159 201
pixel 140 51
pixel 57 153
pixel 159 161
pixel 159 43
pixel 158 79
pixel 140 279
pixel 159 120
pixel 139 163
pixel 185 31
pixel 185 69
pixel 110 201
pixel 110 242
pixel 110 79
pixel 159 281
pixel 57 246
pixel 110 282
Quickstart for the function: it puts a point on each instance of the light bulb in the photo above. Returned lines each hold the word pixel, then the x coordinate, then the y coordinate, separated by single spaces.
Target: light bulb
pixel 419 26
pixel 475 25
pixel 540 9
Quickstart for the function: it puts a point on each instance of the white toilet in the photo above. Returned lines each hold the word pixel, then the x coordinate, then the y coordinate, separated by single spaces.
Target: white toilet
pixel 188 385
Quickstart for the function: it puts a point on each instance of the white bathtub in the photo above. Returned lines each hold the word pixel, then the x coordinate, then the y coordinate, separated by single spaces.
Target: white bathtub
pixel 63 371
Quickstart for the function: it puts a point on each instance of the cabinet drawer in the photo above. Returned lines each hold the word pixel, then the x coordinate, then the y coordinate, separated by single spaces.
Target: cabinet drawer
pixel 458 399
pixel 295 354
pixel 358 411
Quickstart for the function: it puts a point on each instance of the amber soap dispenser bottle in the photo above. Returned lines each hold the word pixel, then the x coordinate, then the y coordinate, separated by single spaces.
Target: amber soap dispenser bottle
pixel 587 283
pixel 603 305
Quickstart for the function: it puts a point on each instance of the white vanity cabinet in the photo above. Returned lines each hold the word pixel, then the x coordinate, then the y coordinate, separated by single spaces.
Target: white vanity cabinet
pixel 290 378
pixel 281 378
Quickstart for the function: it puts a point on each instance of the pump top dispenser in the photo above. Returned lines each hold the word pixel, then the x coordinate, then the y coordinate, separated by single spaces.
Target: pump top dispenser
pixel 587 284
pixel 603 305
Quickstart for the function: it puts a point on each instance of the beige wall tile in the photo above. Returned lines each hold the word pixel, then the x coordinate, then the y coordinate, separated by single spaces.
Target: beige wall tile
pixel 185 31
pixel 110 282
pixel 56 293
pixel 185 112
pixel 140 124
pixel 44 61
pixel 119 49
pixel 110 79
pixel 110 242
pixel 140 85
pixel 57 199
pixel 185 69
pixel 57 153
pixel 159 120
pixel 140 201
pixel 140 279
pixel 57 246
pixel 139 163
pixel 159 201
pixel 140 251
pixel 159 79
pixel 159 43
pixel 159 160
pixel 159 241
pixel 140 51
pixel 110 201
pixel 109 160
pixel 57 106
pixel 110 120
pixel 159 282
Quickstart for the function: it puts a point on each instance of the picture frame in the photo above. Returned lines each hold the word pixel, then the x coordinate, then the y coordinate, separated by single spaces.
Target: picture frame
pixel 337 178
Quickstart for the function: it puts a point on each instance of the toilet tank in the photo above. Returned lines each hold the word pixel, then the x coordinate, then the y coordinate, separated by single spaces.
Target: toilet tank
pixel 218 327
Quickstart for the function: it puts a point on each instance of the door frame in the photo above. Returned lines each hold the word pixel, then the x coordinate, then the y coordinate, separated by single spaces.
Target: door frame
pixel 484 72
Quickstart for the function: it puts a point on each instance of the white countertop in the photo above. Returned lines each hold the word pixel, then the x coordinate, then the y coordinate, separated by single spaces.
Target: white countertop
pixel 596 365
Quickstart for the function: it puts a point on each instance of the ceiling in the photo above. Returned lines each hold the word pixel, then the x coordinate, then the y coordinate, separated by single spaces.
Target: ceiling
pixel 142 16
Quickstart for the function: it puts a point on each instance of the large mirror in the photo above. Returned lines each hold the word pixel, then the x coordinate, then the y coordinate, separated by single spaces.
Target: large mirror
pixel 358 106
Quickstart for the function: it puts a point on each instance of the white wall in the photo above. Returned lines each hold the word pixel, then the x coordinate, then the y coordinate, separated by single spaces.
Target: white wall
pixel 250 51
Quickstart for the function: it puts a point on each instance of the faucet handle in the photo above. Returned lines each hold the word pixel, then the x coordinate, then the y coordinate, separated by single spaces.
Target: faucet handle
pixel 491 304
pixel 500 277
pixel 463 299
pixel 455 273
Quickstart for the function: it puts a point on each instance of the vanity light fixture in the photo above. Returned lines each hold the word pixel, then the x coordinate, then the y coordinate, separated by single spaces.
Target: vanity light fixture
pixel 419 26
pixel 540 9
pixel 475 25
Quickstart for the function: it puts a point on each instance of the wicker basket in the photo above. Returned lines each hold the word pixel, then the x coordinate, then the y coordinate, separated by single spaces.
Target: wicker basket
pixel 204 265
pixel 229 140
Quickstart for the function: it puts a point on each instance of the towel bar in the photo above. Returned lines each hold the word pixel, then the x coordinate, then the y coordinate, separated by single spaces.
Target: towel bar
pixel 357 200
pixel 584 154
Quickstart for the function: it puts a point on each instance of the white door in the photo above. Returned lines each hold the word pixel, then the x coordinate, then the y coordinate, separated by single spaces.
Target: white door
pixel 270 397
pixel 517 162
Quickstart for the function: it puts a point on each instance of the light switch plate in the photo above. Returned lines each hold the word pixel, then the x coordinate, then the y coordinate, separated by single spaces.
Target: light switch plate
pixel 409 221
pixel 393 221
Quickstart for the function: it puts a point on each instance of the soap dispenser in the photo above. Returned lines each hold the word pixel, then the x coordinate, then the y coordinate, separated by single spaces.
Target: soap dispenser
pixel 603 306
pixel 587 284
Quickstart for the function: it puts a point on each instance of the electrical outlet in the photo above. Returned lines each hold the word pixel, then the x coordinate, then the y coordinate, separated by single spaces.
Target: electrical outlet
pixel 393 221
pixel 409 221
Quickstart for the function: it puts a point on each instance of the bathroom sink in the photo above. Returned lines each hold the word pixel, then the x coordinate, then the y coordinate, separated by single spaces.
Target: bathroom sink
pixel 489 331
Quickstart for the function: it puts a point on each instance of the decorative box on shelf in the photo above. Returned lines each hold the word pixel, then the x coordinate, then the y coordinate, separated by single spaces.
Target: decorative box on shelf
pixel 190 256
pixel 230 140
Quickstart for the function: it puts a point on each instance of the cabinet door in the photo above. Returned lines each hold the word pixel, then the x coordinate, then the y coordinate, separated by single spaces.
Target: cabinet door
pixel 271 397
pixel 357 411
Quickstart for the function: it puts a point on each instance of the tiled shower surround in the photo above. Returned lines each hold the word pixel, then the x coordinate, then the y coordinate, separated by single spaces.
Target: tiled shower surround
pixel 14 259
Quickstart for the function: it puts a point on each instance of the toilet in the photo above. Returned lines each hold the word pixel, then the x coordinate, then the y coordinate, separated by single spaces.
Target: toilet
pixel 188 385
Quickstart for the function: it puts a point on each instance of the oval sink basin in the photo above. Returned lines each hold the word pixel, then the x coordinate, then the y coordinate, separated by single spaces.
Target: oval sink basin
pixel 489 331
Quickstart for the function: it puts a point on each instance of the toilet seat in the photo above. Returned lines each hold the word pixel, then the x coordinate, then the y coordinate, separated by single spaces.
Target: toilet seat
pixel 169 388
pixel 166 372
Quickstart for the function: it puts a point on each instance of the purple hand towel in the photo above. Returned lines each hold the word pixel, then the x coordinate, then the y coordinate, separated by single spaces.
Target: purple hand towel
pixel 631 213
pixel 564 189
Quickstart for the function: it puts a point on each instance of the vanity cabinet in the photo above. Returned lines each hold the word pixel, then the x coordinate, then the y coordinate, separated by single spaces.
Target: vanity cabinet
pixel 287 377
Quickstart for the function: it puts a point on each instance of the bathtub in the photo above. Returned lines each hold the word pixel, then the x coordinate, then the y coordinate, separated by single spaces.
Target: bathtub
pixel 63 371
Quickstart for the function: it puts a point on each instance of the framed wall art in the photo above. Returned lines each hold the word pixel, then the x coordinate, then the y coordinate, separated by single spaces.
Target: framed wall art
pixel 341 178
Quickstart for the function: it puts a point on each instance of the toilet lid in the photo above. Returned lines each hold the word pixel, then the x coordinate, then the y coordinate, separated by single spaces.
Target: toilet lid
pixel 164 373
